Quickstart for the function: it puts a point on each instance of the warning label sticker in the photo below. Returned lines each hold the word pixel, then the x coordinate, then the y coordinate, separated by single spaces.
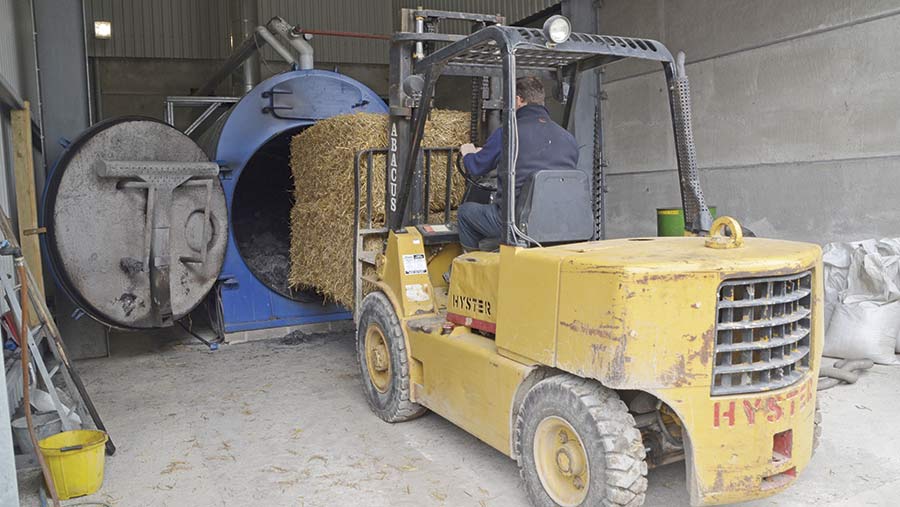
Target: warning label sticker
pixel 415 264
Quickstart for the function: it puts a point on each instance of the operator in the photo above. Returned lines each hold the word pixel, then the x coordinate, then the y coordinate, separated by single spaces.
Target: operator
pixel 542 145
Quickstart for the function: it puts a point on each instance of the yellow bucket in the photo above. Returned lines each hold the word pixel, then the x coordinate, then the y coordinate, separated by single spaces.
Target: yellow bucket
pixel 76 460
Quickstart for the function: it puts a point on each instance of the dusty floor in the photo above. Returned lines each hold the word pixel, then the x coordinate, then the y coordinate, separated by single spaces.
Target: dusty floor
pixel 285 423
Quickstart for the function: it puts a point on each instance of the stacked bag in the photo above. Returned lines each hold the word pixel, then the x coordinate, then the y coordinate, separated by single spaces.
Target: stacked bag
pixel 862 300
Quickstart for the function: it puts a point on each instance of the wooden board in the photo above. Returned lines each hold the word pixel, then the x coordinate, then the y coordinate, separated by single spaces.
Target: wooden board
pixel 26 198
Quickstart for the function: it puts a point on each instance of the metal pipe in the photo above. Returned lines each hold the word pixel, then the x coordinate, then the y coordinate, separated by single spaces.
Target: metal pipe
pixel 247 48
pixel 244 17
pixel 420 28
pixel 280 27
pixel 87 66
pixel 38 90
pixel 279 48
pixel 98 90
pixel 170 113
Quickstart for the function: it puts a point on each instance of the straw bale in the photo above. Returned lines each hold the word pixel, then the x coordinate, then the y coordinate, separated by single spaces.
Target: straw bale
pixel 322 158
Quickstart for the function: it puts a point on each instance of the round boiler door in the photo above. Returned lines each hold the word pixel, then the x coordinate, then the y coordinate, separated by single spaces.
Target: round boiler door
pixel 100 227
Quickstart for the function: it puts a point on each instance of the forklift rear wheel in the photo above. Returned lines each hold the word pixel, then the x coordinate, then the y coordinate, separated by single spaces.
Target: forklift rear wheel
pixel 577 445
pixel 383 363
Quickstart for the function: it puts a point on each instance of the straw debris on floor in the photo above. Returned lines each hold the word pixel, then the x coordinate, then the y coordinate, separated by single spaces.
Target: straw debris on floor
pixel 322 221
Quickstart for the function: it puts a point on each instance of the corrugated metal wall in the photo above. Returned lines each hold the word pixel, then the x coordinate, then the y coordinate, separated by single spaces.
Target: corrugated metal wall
pixel 199 28
pixel 9 62
pixel 159 28
pixel 10 70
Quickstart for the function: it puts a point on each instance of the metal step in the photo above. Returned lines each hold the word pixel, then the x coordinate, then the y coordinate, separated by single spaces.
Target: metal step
pixel 368 257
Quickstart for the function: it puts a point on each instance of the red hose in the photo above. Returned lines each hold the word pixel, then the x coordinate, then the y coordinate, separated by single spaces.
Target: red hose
pixel 355 35
pixel 26 396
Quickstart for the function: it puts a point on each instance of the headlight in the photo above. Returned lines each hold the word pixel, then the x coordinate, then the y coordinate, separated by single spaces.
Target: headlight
pixel 557 29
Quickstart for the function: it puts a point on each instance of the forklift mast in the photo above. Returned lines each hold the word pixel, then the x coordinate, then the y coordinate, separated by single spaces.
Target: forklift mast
pixel 418 36
pixel 495 55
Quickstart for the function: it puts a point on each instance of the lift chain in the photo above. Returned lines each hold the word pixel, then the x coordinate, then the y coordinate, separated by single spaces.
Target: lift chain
pixel 478 84
pixel 598 179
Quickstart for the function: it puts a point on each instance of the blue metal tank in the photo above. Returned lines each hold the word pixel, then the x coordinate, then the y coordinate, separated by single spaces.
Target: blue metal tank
pixel 265 119
pixel 227 235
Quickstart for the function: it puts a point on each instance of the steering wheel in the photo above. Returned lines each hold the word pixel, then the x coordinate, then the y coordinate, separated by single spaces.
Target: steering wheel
pixel 472 180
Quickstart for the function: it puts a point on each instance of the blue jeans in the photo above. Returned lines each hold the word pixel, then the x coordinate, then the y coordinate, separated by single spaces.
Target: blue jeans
pixel 477 222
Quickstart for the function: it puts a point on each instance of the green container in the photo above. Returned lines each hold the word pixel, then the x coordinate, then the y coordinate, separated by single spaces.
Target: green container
pixel 670 221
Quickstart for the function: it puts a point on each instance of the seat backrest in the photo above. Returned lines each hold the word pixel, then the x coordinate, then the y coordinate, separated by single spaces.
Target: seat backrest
pixel 554 206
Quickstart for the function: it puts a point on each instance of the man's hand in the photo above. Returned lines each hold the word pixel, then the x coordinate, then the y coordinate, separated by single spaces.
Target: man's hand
pixel 468 149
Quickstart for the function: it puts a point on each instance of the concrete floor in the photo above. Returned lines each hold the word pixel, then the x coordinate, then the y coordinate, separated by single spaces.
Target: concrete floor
pixel 284 422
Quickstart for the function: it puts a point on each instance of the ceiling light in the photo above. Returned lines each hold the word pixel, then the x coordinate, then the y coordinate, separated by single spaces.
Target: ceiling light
pixel 103 29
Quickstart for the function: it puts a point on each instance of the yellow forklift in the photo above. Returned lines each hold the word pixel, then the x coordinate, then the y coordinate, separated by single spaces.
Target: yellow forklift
pixel 586 360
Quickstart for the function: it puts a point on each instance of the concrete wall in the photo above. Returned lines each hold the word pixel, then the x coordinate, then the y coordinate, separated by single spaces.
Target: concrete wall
pixel 796 115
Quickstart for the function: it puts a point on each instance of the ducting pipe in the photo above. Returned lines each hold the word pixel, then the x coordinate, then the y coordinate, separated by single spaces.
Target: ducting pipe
pixel 237 58
pixel 279 48
pixel 281 27
pixel 243 15
pixel 249 47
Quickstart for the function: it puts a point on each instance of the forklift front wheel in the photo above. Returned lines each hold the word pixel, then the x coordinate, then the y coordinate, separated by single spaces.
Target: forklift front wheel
pixel 577 445
pixel 383 363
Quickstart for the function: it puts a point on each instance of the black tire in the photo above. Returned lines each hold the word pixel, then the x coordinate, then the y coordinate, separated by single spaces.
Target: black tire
pixel 392 402
pixel 613 446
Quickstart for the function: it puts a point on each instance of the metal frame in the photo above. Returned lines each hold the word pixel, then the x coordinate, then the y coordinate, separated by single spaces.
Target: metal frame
pixel 507 52
pixel 211 103
pixel 364 223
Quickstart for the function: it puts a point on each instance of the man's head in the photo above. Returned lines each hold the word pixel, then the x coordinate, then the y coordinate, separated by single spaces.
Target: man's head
pixel 529 90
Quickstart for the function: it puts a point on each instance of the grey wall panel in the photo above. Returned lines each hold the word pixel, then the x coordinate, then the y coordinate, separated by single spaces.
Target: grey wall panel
pixel 198 29
pixel 12 61
pixel 160 28
pixel 9 61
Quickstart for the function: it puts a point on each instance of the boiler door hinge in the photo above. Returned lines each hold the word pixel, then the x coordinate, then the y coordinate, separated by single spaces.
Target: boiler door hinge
pixel 228 281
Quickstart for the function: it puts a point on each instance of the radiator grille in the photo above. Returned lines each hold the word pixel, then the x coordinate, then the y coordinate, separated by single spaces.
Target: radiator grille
pixel 762 333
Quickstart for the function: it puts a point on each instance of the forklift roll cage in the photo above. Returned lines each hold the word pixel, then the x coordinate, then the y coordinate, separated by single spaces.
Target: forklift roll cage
pixel 507 52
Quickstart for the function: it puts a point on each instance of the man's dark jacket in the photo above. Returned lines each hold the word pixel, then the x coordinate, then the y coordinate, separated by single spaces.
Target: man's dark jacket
pixel 542 145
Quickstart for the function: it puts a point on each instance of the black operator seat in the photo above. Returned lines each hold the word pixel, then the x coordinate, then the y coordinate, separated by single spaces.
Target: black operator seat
pixel 554 206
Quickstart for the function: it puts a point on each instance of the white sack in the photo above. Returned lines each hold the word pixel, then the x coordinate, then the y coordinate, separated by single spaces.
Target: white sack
pixel 873 273
pixel 836 258
pixel 864 330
